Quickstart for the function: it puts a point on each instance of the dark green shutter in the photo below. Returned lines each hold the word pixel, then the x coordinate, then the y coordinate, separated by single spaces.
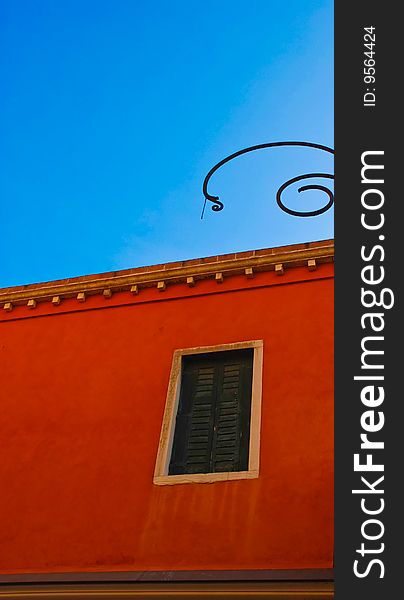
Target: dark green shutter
pixel 213 419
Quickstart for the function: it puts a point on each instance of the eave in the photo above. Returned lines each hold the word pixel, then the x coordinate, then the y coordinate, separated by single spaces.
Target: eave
pixel 160 276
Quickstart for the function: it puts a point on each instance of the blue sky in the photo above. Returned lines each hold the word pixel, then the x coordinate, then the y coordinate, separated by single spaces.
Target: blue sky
pixel 113 111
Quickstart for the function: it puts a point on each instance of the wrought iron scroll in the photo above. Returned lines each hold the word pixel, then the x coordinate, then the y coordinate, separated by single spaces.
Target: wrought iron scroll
pixel 217 205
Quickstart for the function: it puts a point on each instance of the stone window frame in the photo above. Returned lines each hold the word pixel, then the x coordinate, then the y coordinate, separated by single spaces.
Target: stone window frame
pixel 161 476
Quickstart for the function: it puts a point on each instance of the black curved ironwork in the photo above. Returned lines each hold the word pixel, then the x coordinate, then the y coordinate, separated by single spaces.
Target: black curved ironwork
pixel 217 205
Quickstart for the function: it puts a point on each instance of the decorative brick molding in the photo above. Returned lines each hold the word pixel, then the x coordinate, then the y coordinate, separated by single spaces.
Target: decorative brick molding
pixel 161 276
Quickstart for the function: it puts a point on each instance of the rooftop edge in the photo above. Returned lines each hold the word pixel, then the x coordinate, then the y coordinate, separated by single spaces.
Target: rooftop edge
pixel 277 258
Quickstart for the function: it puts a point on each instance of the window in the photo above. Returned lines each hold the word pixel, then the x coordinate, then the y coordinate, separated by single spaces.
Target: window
pixel 212 418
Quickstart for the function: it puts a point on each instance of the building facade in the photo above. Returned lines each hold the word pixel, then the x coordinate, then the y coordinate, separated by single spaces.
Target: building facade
pixel 113 479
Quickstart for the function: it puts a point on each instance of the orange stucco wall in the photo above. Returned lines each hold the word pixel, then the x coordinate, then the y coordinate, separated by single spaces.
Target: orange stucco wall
pixel 83 391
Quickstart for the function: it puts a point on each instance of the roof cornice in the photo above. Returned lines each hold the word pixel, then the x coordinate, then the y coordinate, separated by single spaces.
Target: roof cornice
pixel 188 271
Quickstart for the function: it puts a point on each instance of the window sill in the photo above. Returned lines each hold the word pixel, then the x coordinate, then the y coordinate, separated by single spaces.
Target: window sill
pixel 204 477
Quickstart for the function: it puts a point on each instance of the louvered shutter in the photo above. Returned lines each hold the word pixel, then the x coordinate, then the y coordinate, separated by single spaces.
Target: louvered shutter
pixel 233 410
pixel 213 419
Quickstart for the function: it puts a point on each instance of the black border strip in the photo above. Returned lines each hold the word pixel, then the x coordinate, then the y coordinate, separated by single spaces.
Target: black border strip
pixel 368 545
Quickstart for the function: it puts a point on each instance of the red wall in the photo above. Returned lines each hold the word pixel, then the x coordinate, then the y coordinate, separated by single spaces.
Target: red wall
pixel 83 394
